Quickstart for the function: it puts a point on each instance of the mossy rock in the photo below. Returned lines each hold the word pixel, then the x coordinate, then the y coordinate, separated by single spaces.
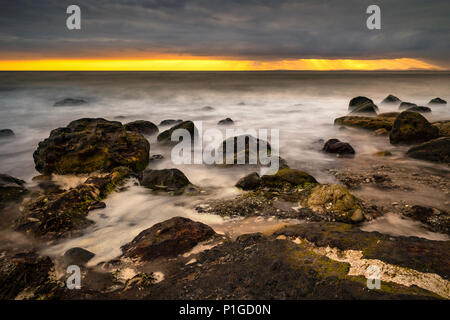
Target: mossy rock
pixel 335 201
pixel 287 178
pixel 443 127
pixel 165 137
pixel 366 123
pixel 411 127
pixel 91 144
pixel 142 127
pixel 11 188
pixel 437 150
pixel 168 180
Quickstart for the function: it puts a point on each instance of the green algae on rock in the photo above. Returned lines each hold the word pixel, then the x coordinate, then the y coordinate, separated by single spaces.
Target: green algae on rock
pixel 411 127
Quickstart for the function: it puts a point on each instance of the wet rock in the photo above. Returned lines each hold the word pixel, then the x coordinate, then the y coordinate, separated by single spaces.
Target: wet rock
pixel 336 202
pixel 68 102
pixel 437 220
pixel 6 133
pixel 419 109
pixel 437 150
pixel 11 189
pixel 366 123
pixel 142 127
pixel 170 122
pixel 406 105
pixel 207 108
pixel 384 153
pixel 444 127
pixel 380 132
pixel 368 108
pixel 245 148
pixel 167 239
pixel 249 182
pixel 437 101
pixel 97 205
pixel 359 101
pixel 388 115
pixel 287 178
pixel 411 127
pixel 77 256
pixel 390 99
pixel 165 136
pixel 156 157
pixel 225 122
pixel 339 147
pixel 57 215
pixel 91 144
pixel 170 180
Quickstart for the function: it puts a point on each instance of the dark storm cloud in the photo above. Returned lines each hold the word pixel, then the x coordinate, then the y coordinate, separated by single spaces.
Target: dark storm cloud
pixel 253 29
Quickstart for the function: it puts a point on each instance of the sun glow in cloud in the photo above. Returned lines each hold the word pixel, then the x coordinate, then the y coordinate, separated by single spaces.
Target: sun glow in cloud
pixel 211 64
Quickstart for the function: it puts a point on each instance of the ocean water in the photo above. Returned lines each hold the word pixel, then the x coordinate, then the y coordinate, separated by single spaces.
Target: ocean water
pixel 302 105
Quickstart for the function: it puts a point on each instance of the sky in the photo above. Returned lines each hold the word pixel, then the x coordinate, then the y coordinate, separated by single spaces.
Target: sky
pixel 224 35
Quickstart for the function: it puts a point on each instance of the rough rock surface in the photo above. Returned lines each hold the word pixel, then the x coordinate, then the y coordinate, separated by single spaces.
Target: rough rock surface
pixel 437 220
pixel 367 123
pixel 437 150
pixel 251 181
pixel 444 127
pixel 165 136
pixel 11 188
pixel 142 127
pixel 170 180
pixel 339 147
pixel 411 127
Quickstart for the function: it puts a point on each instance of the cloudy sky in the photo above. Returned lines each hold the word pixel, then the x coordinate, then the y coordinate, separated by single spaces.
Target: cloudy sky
pixel 270 34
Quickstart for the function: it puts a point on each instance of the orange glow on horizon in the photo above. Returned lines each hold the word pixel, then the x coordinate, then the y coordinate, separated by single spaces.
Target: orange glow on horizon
pixel 211 64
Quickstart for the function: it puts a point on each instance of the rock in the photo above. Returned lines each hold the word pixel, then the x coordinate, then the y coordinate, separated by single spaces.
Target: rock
pixel 249 182
pixel 437 150
pixel 67 102
pixel 165 136
pixel 77 256
pixel 88 145
pixel 170 122
pixel 225 122
pixel 388 115
pixel 207 108
pixel 11 189
pixel 385 153
pixel 164 180
pixel 444 127
pixel 411 127
pixel 419 109
pixel 156 157
pixel 368 108
pixel 142 127
pixel 57 215
pixel 406 105
pixel 359 101
pixel 245 146
pixel 6 133
pixel 366 123
pixel 167 239
pixel 391 99
pixel 336 146
pixel 437 220
pixel 437 101
pixel 336 202
pixel 287 178
pixel 97 205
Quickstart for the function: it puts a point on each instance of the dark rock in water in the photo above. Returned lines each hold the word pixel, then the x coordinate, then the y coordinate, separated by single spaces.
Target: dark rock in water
pixel 67 102
pixel 339 147
pixel 11 189
pixel 156 157
pixel 56 215
pixel 77 256
pixel 287 178
pixel 391 99
pixel 359 101
pixel 437 101
pixel 437 220
pixel 419 109
pixel 167 239
pixel 165 136
pixel 244 149
pixel 6 133
pixel 88 145
pixel 388 115
pixel 169 122
pixel 21 271
pixel 406 105
pixel 164 180
pixel 411 127
pixel 437 150
pixel 97 205
pixel 225 122
pixel 367 108
pixel 366 123
pixel 142 126
pixel 249 182
pixel 444 127
pixel 207 108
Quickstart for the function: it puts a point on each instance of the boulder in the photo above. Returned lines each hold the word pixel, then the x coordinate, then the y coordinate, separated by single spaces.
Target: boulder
pixel 336 202
pixel 287 178
pixel 437 150
pixel 207 108
pixel 164 180
pixel 142 127
pixel 368 108
pixel 165 136
pixel 225 122
pixel 359 101
pixel 243 147
pixel 6 133
pixel 77 256
pixel 411 127
pixel 388 115
pixel 167 239
pixel 406 105
pixel 419 109
pixel 390 99
pixel 339 147
pixel 68 102
pixel 88 145
pixel 366 123
pixel 437 101
pixel 170 122
pixel 443 127
pixel 436 220
pixel 11 188
pixel 251 181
